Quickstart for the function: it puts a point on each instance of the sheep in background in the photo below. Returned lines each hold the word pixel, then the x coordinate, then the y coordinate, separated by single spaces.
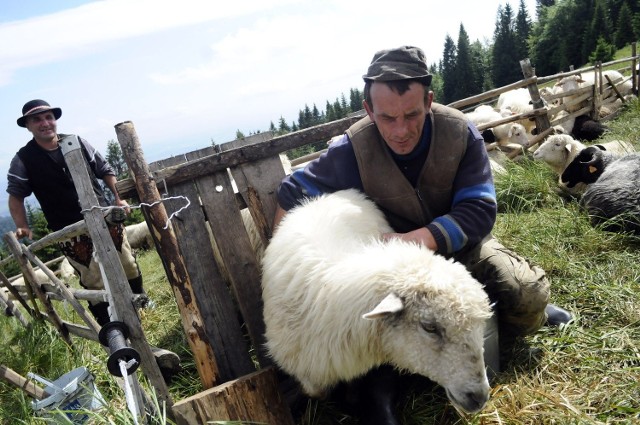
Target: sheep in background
pixel 612 196
pixel 338 302
pixel 139 236
pixel 517 101
pixel 557 151
pixel 574 82
pixel 503 134
pixel 66 270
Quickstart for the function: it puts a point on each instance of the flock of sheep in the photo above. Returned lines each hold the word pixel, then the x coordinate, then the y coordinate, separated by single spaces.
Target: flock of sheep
pixel 605 194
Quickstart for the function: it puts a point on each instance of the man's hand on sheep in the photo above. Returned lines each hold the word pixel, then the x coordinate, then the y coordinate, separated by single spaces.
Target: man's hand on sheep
pixel 421 236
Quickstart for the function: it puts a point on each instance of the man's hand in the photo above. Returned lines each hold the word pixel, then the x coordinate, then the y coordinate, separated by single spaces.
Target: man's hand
pixel 24 232
pixel 421 236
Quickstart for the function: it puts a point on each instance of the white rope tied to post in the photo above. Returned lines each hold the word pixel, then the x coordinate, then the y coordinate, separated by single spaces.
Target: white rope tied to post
pixel 166 226
pixel 128 392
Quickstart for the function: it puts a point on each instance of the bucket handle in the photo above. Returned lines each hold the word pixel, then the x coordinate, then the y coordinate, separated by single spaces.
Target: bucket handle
pixel 46 382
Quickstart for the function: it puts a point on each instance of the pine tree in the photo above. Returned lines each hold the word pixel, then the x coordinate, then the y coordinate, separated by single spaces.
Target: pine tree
pixel 447 70
pixel 115 158
pixel 522 31
pixel 283 127
pixel 625 33
pixel 603 52
pixel 598 27
pixel 505 63
pixel 464 72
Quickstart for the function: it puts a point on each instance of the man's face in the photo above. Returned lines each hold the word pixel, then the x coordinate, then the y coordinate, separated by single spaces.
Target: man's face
pixel 399 118
pixel 42 126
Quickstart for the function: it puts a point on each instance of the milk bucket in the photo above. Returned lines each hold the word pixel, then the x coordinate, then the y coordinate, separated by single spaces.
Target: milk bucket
pixel 70 397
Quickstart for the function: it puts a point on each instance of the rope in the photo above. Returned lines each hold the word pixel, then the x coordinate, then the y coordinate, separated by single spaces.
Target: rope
pixel 166 226
pixel 128 392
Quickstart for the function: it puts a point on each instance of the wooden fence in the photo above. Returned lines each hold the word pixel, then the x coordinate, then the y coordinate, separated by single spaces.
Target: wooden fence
pixel 217 285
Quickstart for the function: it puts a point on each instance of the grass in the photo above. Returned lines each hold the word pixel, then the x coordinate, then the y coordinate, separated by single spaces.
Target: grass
pixel 585 373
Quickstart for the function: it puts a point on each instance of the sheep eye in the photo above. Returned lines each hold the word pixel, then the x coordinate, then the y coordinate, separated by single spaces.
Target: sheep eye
pixel 429 327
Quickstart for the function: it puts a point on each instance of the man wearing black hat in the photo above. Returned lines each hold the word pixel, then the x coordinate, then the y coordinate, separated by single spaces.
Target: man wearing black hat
pixel 39 168
pixel 425 165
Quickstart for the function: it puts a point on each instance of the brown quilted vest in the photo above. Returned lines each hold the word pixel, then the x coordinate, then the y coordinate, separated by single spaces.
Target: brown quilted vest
pixel 408 208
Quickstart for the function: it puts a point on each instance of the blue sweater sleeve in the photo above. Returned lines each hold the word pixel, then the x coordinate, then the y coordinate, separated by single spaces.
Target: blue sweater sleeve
pixel 334 170
pixel 473 211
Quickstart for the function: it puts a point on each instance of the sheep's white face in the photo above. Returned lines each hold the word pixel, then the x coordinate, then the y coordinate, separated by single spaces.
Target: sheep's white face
pixel 554 150
pixel 423 338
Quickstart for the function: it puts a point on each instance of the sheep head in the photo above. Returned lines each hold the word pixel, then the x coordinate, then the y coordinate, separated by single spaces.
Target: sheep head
pixel 585 168
pixel 439 334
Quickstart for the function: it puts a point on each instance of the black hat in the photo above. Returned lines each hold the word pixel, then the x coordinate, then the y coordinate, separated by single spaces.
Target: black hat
pixel 402 63
pixel 37 106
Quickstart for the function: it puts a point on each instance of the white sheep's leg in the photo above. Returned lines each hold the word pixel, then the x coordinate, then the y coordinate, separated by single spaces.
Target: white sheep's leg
pixel 312 390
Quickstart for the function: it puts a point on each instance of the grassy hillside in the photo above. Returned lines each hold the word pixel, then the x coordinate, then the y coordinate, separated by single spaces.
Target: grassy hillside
pixel 585 373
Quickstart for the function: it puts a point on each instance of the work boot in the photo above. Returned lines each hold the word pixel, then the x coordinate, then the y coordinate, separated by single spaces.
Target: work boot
pixel 168 363
pixel 101 312
pixel 140 297
pixel 556 316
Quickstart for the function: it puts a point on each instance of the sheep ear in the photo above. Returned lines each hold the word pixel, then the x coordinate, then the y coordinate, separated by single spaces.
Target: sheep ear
pixel 391 304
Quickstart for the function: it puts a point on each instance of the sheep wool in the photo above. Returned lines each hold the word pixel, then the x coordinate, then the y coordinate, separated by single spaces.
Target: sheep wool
pixel 340 301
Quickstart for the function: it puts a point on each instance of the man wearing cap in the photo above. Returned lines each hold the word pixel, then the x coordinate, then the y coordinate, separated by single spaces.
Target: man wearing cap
pixel 39 168
pixel 425 165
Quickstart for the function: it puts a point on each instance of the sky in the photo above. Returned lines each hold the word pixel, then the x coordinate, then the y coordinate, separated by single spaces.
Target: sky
pixel 191 72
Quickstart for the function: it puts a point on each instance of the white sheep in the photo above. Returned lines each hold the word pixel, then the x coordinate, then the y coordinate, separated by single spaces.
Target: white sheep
pixel 338 302
pixel 559 150
pixel 139 236
pixel 576 81
pixel 517 101
pixel 612 195
pixel 503 134
pixel 66 270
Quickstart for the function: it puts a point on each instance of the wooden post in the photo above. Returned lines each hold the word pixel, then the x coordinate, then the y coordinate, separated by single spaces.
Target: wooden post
pixel 170 254
pixel 542 121
pixel 29 387
pixel 11 309
pixel 113 275
pixel 32 282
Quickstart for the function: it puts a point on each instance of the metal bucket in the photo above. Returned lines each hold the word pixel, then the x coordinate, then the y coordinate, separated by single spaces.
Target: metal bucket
pixel 492 347
pixel 70 397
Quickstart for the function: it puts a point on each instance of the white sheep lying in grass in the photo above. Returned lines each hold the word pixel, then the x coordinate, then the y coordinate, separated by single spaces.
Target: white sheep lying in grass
pixel 503 134
pixel 574 82
pixel 139 236
pixel 338 302
pixel 612 196
pixel 559 150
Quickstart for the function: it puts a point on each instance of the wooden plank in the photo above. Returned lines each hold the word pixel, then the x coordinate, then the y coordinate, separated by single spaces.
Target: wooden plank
pixel 114 278
pixel 257 183
pixel 237 401
pixel 224 217
pixel 11 309
pixel 29 387
pixel 223 160
pixel 216 305
pixel 30 278
pixel 170 254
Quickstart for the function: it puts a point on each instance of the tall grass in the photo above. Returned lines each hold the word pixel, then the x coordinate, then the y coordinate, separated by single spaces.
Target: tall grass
pixel 585 373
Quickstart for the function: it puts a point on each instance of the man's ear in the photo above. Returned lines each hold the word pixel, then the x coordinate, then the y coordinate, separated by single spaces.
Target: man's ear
pixel 368 108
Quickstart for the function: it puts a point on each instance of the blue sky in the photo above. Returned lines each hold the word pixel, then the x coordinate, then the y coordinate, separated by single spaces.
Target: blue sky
pixel 191 71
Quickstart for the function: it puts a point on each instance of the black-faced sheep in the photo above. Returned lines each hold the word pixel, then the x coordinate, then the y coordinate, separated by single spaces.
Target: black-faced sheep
pixel 612 196
pixel 559 150
pixel 338 302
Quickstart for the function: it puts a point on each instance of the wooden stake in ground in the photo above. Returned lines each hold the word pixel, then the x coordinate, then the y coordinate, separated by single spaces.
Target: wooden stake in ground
pixel 29 387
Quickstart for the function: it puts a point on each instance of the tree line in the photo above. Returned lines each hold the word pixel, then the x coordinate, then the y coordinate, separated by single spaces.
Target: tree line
pixel 566 33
